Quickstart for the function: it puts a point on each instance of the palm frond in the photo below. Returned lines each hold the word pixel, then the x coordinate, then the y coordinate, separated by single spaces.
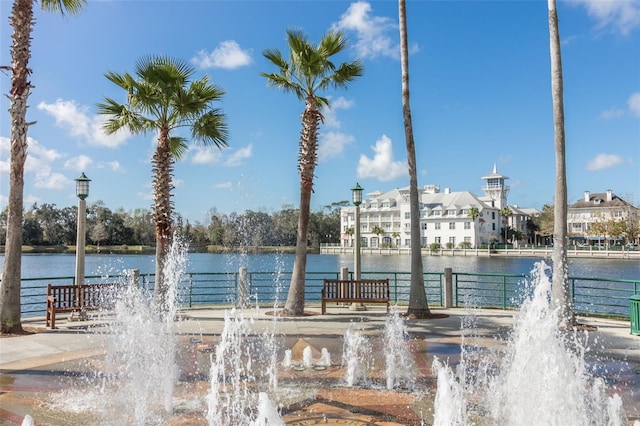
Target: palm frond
pixel 62 6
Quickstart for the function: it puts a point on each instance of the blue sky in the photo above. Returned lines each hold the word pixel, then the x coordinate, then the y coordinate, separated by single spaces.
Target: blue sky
pixel 480 94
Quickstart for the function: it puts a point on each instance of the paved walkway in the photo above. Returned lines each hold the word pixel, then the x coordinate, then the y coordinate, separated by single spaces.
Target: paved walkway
pixel 77 340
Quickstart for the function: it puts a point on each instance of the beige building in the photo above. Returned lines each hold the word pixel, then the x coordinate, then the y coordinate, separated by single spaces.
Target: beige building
pixel 599 208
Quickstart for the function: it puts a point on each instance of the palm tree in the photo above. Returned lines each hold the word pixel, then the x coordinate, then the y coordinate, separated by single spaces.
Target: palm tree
pixel 473 214
pixel 561 293
pixel 22 21
pixel 418 306
pixel 506 212
pixel 377 231
pixel 395 235
pixel 308 71
pixel 350 232
pixel 162 98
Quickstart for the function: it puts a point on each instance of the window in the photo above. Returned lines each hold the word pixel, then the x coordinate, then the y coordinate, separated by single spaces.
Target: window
pixel 423 241
pixel 438 240
pixel 493 226
pixel 467 239
pixel 423 214
pixel 452 240
pixel 436 212
pixel 407 242
pixel 437 225
pixel 467 225
pixel 451 212
pixel 493 215
pixel 407 215
pixel 452 225
pixel 423 226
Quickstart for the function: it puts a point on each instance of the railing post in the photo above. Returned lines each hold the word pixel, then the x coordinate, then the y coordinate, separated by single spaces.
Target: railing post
pixel 448 288
pixel 504 293
pixel 242 287
pixel 134 277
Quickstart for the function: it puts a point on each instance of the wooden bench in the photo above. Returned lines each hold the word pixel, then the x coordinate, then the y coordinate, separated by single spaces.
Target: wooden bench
pixel 86 297
pixel 351 291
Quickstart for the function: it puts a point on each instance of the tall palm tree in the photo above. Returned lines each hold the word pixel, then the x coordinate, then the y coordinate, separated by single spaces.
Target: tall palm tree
pixel 561 293
pixel 162 98
pixel 418 306
pixel 22 22
pixel 473 214
pixel 506 212
pixel 308 71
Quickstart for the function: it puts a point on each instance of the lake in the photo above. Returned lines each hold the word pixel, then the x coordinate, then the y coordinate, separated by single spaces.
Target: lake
pixel 63 265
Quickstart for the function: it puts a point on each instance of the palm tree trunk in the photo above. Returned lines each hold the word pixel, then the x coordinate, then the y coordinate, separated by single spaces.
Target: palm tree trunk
pixel 22 23
pixel 163 169
pixel 418 305
pixel 561 294
pixel 308 156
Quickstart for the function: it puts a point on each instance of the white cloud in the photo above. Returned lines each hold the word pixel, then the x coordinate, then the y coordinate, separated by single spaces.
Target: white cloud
pixel 371 31
pixel 114 166
pixel 47 180
pixel 603 161
pixel 80 124
pixel 204 155
pixel 224 185
pixel 634 104
pixel 227 55
pixel 236 157
pixel 79 163
pixel 382 166
pixel 38 162
pixel 622 15
pixel 332 145
pixel 211 155
pixel 611 113
pixel 330 114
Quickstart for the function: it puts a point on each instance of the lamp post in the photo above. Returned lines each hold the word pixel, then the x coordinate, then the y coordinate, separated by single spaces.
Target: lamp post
pixel 82 192
pixel 356 193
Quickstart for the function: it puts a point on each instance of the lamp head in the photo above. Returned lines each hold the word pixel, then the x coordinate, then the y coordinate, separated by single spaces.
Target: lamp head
pixel 82 186
pixel 356 192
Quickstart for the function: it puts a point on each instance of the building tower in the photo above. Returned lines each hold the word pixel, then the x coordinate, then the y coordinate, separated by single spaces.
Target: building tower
pixel 495 189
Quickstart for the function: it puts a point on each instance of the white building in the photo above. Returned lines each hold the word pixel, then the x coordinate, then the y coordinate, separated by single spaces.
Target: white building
pixel 385 218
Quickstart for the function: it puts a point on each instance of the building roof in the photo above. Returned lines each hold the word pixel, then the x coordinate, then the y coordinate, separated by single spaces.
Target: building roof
pixel 599 200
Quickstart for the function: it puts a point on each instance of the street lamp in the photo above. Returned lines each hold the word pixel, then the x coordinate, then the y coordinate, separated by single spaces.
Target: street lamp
pixel 356 193
pixel 82 192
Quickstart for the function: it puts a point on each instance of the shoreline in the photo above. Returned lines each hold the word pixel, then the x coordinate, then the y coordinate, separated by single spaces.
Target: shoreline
pixel 536 252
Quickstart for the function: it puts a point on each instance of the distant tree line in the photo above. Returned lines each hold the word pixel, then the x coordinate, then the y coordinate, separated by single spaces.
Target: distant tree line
pixel 46 225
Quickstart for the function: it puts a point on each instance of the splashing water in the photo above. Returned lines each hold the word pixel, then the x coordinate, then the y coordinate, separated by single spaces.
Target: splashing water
pixel 355 353
pixel 325 358
pixel 307 357
pixel 140 351
pixel 398 357
pixel 541 376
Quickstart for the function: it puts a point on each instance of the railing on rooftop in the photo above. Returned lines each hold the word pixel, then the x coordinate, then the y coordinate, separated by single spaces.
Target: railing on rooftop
pixel 591 296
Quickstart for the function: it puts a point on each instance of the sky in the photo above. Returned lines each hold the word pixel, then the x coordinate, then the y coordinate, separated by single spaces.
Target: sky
pixel 480 95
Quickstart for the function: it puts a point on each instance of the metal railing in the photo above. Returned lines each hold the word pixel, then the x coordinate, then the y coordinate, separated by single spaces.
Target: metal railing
pixel 591 296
